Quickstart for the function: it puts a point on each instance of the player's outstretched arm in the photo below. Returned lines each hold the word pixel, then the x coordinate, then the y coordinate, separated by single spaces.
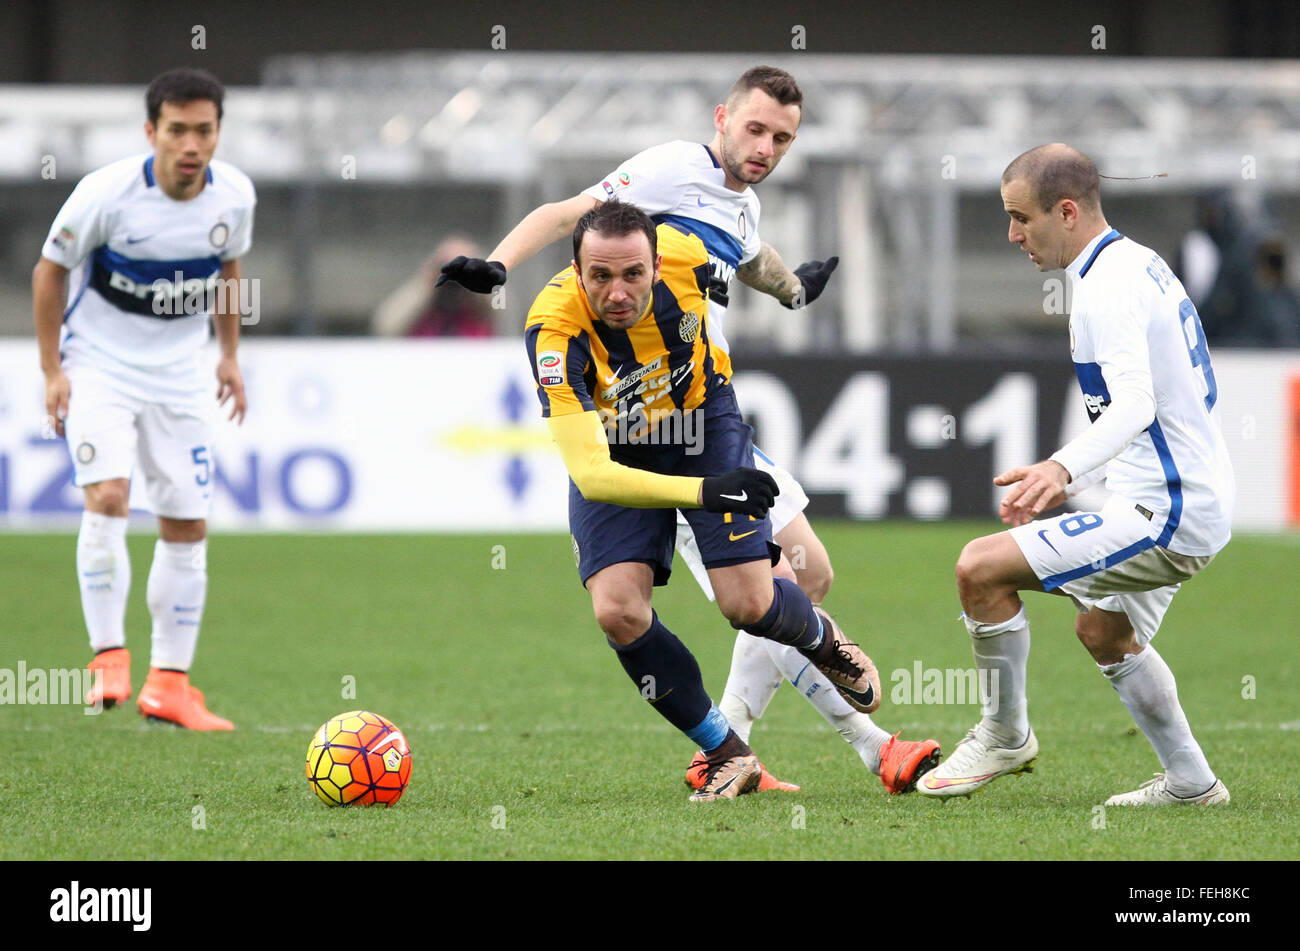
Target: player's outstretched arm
pixel 541 226
pixel 585 449
pixel 766 272
pixel 49 298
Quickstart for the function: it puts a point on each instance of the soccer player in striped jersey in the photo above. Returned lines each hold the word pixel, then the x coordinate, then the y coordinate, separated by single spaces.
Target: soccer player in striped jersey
pixel 1142 363
pixel 638 398
pixel 151 244
pixel 705 190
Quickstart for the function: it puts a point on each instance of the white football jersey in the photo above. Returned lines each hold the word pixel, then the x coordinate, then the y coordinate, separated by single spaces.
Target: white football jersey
pixel 1133 326
pixel 138 255
pixel 681 184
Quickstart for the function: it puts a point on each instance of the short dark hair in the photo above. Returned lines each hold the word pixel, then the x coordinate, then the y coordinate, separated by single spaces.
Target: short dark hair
pixel 1057 171
pixel 777 83
pixel 180 86
pixel 613 219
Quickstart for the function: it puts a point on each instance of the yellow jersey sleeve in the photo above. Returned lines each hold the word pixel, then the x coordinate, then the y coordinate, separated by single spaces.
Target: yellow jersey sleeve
pixel 585 449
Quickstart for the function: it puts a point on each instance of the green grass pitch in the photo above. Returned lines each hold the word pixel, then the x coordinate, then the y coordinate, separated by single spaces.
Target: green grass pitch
pixel 530 742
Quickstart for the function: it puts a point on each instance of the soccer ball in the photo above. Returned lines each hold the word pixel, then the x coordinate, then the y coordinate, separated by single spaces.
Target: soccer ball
pixel 358 758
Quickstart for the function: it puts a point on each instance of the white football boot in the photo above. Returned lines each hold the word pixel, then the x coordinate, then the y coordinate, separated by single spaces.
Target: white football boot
pixel 1154 793
pixel 975 763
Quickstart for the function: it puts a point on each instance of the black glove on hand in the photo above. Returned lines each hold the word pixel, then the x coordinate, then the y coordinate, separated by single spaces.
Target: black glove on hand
pixel 477 275
pixel 812 281
pixel 718 291
pixel 746 491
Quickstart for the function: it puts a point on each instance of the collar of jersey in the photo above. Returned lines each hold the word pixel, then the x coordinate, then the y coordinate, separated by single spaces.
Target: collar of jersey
pixel 1080 265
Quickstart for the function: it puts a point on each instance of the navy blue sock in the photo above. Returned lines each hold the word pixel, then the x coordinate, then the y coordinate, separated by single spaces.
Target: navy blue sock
pixel 791 618
pixel 667 675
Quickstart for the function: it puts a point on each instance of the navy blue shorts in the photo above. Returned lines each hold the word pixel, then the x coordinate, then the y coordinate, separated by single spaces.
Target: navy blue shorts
pixel 605 534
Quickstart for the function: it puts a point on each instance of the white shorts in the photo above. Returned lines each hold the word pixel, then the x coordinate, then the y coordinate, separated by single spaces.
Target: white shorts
pixel 1108 560
pixel 789 503
pixel 110 433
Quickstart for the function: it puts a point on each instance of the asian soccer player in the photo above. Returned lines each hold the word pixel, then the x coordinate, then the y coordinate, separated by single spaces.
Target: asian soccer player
pixel 148 242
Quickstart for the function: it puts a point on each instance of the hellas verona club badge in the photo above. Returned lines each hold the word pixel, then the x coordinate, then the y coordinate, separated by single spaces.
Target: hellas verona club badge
pixel 689 328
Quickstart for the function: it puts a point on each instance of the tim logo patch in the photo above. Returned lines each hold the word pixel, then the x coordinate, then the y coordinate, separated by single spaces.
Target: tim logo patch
pixel 550 368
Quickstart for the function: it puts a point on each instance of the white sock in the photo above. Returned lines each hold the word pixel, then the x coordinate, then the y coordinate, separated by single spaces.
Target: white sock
pixel 1002 650
pixel 751 683
pixel 856 728
pixel 178 586
pixel 1146 685
pixel 104 573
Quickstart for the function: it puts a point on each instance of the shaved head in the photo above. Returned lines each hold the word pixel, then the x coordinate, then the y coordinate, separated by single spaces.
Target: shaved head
pixel 1054 172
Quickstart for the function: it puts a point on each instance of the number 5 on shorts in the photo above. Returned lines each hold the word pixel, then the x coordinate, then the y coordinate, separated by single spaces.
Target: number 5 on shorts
pixel 200 456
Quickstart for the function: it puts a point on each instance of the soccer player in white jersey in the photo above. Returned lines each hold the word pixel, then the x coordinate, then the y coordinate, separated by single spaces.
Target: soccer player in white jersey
pixel 148 242
pixel 1148 385
pixel 705 190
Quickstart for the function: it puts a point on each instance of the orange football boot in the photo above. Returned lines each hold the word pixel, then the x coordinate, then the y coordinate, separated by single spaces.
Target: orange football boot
pixel 168 695
pixel 903 762
pixel 111 670
pixel 766 782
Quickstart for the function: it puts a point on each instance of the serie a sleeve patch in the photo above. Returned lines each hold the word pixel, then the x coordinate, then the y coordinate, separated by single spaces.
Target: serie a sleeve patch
pixel 550 368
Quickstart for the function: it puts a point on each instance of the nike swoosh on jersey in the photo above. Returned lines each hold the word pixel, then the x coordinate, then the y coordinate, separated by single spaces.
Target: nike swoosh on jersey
pixel 703 204
pixel 613 377
pixel 735 498
pixel 131 240
pixel 735 538
pixel 1043 535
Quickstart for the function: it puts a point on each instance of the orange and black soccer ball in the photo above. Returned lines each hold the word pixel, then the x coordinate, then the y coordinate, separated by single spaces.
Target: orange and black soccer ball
pixel 359 759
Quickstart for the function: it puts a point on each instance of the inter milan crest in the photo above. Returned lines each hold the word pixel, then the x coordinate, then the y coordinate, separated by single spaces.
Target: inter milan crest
pixel 689 328
pixel 85 453
pixel 742 227
pixel 219 234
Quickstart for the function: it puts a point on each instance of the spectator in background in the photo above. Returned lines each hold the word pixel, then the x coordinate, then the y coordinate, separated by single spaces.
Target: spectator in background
pixel 1279 304
pixel 1234 269
pixel 418 309
pixel 1199 256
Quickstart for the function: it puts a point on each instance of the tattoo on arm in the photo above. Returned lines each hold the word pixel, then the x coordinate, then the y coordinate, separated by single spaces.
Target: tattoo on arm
pixel 766 272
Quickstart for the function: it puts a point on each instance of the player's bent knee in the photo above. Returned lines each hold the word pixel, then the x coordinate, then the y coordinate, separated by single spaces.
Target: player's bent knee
pixel 973 571
pixel 743 608
pixel 622 621
pixel 109 497
pixel 182 529
pixel 1106 637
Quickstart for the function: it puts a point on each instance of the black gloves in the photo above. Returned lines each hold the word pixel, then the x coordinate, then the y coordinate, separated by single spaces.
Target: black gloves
pixel 812 281
pixel 746 491
pixel 477 275
pixel 718 291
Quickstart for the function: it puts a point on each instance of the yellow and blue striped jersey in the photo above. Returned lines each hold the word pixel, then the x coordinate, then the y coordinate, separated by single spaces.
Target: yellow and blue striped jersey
pixel 663 363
